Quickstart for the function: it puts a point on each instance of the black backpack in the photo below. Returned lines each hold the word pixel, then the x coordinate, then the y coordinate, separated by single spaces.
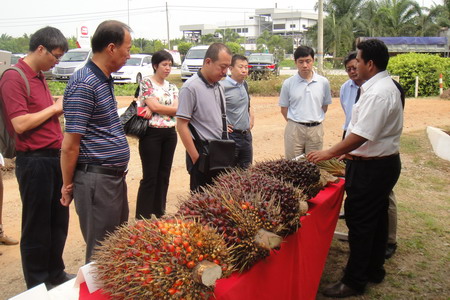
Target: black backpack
pixel 8 142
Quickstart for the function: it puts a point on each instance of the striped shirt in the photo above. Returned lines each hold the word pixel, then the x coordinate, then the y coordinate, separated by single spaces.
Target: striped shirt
pixel 90 109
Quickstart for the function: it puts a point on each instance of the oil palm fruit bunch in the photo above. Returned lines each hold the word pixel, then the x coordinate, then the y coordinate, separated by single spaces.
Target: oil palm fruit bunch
pixel 289 199
pixel 247 223
pixel 162 259
pixel 301 173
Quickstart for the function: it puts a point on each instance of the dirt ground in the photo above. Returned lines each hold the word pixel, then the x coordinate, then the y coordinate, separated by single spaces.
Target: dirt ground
pixel 268 143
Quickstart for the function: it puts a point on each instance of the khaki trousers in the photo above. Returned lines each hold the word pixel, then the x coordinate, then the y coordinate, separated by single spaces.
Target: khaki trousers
pixel 300 139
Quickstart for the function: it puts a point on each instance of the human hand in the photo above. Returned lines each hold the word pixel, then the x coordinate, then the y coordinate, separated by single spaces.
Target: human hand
pixel 66 195
pixel 316 156
pixel 230 128
pixel 147 113
pixel 58 106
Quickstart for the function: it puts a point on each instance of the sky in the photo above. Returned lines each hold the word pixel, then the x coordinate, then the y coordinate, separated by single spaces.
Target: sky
pixel 147 18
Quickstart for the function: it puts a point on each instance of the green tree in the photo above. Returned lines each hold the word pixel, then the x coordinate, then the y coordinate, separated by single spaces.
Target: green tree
pixel 399 17
pixel 235 48
pixel 184 47
pixel 228 35
pixel 208 39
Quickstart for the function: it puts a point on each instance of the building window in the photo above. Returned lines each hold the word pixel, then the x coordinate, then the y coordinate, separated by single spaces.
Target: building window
pixel 239 30
pixel 292 25
pixel 279 26
pixel 244 30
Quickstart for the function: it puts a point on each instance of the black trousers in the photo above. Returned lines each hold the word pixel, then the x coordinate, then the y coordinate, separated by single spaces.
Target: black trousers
pixel 44 220
pixel 244 149
pixel 156 149
pixel 368 184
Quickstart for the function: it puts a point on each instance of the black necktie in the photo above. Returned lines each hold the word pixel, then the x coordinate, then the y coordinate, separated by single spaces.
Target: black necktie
pixel 357 95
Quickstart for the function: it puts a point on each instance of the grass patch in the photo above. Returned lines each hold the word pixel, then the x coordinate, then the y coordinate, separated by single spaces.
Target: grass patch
pixel 287 63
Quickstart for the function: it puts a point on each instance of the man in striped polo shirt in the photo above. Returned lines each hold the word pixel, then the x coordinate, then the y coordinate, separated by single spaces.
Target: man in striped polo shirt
pixel 95 151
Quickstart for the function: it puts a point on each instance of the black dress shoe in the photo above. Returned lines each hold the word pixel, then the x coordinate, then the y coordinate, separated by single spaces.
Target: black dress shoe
pixel 339 290
pixel 390 250
pixel 61 279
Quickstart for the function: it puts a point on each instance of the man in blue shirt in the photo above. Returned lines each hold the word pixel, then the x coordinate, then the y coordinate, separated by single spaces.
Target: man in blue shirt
pixel 349 89
pixel 239 113
pixel 95 150
pixel 304 100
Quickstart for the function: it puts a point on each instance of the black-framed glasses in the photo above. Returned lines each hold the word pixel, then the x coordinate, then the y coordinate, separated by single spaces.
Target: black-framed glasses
pixel 57 57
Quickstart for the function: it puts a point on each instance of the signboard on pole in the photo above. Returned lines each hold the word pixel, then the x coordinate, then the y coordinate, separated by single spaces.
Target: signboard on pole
pixel 83 37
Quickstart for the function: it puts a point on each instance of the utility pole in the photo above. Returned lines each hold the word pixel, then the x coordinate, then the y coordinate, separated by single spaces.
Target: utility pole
pixel 167 20
pixel 320 38
pixel 128 11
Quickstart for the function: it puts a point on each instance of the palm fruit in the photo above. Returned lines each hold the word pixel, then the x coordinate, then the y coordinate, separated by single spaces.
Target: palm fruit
pixel 301 174
pixel 290 199
pixel 333 166
pixel 161 259
pixel 247 223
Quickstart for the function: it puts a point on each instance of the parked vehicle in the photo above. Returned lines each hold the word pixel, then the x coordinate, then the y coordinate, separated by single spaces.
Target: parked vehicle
pixel 262 64
pixel 136 67
pixel 5 60
pixel 193 61
pixel 71 61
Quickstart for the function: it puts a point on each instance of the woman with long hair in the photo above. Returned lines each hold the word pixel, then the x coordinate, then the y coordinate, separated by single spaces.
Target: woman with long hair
pixel 156 149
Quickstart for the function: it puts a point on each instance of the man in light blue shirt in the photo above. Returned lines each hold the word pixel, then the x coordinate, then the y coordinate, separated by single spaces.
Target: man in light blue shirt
pixel 304 100
pixel 349 89
pixel 238 110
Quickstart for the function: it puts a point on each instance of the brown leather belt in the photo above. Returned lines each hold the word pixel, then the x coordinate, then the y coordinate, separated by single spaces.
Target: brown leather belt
pixel 354 157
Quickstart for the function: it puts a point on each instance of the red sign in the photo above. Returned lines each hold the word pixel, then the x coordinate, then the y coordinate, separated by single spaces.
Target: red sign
pixel 84 30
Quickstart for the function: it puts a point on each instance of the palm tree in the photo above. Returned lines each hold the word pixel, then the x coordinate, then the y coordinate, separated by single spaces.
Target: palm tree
pixel 398 17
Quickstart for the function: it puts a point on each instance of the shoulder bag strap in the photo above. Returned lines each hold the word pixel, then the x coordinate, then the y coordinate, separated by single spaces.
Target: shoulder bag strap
pixel 27 84
pixel 224 116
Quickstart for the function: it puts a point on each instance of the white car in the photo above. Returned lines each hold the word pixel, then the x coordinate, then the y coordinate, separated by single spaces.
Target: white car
pixel 136 67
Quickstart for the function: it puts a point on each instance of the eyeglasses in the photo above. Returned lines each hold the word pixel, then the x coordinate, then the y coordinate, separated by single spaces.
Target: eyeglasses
pixel 349 69
pixel 57 57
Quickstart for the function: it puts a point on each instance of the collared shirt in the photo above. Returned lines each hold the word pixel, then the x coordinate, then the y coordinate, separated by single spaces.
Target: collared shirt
pixel 47 135
pixel 199 103
pixel 378 117
pixel 347 97
pixel 237 100
pixel 304 99
pixel 90 109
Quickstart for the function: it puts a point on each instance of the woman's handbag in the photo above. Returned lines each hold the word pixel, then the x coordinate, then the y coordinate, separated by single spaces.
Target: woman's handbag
pixel 218 154
pixel 133 125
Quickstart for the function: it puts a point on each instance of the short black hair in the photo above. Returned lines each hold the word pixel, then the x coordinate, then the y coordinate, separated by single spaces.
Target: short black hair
pixel 376 51
pixel 303 51
pixel 214 50
pixel 351 56
pixel 236 57
pixel 49 37
pixel 110 31
pixel 159 57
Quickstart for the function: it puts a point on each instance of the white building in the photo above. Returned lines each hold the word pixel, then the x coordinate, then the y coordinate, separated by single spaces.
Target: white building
pixel 275 20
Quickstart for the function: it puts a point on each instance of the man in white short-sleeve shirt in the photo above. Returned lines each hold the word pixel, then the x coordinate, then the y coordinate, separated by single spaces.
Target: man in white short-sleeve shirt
pixel 304 100
pixel 373 166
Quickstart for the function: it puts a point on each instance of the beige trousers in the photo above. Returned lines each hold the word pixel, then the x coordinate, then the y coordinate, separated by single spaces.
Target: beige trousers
pixel 392 219
pixel 300 139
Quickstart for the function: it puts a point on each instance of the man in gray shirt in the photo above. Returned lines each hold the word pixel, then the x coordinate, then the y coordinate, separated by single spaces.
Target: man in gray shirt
pixel 239 113
pixel 199 105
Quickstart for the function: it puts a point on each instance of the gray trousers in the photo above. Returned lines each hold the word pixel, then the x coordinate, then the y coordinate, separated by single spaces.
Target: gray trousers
pixel 392 219
pixel 101 203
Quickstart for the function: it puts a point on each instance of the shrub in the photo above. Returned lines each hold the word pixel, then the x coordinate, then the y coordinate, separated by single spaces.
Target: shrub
pixel 426 66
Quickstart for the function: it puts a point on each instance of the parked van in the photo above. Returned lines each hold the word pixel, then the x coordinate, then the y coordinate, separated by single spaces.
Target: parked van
pixel 73 60
pixel 193 61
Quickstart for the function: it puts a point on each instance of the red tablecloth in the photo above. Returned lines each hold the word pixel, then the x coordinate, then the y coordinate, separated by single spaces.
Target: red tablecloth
pixel 294 271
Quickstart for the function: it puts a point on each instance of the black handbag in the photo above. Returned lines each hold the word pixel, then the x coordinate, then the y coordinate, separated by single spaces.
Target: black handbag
pixel 133 124
pixel 217 154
